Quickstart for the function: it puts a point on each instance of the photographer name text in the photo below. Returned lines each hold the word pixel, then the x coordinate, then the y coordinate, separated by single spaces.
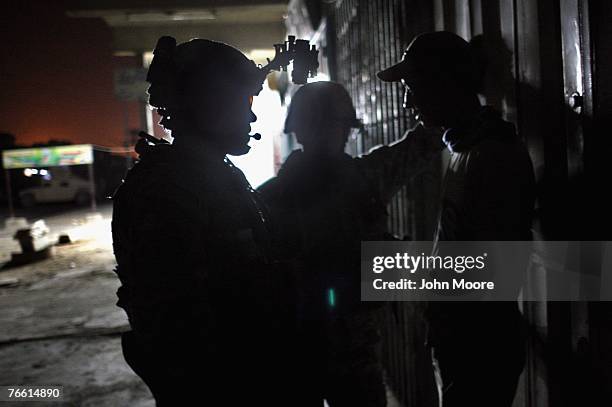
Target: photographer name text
pixel 412 264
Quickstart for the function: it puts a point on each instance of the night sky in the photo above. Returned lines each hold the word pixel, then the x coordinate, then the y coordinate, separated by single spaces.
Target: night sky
pixel 56 77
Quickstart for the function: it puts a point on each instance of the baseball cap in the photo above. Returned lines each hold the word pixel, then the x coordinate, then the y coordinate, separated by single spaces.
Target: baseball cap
pixel 433 55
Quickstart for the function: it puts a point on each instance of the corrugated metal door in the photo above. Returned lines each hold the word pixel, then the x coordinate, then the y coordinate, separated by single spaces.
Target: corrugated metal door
pixel 369 36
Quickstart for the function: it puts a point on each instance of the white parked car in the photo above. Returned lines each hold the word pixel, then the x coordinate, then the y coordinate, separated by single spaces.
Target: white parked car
pixel 63 186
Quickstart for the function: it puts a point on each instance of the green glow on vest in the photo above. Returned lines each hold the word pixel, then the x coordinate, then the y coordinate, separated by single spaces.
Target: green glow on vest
pixel 331 297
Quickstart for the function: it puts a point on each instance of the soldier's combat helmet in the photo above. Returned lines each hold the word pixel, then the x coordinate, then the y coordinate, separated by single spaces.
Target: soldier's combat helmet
pixel 175 66
pixel 320 102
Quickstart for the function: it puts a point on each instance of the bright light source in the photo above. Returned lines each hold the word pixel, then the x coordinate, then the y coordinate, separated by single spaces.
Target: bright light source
pixel 28 172
pixel 258 164
pixel 124 54
pixel 147 57
pixel 43 172
pixel 193 15
pixel 178 15
pixel 94 227
pixel 260 55
pixel 319 77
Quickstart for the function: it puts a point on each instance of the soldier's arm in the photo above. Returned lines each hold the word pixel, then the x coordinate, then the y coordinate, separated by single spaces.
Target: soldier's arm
pixel 392 166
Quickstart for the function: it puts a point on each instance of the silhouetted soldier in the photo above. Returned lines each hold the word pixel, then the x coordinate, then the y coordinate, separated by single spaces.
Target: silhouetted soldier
pixel 324 203
pixel 488 195
pixel 209 313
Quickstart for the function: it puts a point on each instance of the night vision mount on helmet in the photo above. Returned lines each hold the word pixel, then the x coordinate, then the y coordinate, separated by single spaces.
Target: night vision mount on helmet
pixel 300 52
pixel 304 56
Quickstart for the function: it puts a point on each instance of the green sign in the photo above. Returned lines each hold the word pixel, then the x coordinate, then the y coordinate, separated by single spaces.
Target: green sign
pixel 48 156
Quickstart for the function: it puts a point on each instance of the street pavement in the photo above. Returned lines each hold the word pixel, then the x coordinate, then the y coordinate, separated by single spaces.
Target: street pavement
pixel 59 324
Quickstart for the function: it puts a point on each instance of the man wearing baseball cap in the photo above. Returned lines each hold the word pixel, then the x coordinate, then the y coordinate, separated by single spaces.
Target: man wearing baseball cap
pixel 488 194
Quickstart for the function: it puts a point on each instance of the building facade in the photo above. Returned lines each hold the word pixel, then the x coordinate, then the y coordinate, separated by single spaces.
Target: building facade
pixel 549 74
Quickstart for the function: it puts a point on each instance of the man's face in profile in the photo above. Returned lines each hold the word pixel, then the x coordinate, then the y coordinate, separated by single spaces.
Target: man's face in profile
pixel 224 116
pixel 428 98
pixel 235 124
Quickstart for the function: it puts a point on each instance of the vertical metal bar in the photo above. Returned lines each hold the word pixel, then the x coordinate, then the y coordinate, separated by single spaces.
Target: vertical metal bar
pixel 450 23
pixel 370 88
pixel 476 16
pixel 463 25
pixel 387 44
pixel 439 16
pixel 374 49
